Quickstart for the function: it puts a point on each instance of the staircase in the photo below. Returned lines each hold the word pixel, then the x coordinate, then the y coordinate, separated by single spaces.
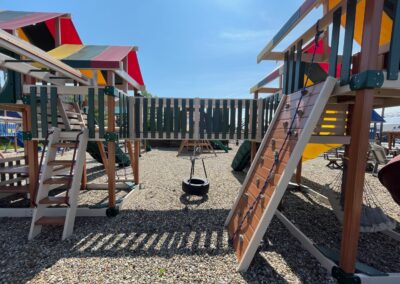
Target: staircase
pixel 72 181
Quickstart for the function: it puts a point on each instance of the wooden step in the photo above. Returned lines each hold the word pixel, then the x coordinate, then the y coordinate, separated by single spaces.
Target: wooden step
pixel 14 189
pixel 54 200
pixel 60 163
pixel 58 180
pixel 64 145
pixel 51 220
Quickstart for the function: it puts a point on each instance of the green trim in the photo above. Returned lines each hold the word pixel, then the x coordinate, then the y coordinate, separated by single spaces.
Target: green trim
pixel 111 91
pixel 53 104
pixel 26 100
pixel 101 117
pixel 369 79
pixel 90 116
pixel 111 136
pixel 43 113
pixel 344 277
pixel 34 118
pixel 26 135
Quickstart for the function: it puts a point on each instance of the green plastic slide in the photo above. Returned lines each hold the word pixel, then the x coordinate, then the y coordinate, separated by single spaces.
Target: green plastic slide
pixel 219 145
pixel 242 157
pixel 120 157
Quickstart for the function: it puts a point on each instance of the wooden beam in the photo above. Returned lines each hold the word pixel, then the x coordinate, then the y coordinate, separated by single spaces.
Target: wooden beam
pixel 24 48
pixel 264 90
pixel 296 18
pixel 360 132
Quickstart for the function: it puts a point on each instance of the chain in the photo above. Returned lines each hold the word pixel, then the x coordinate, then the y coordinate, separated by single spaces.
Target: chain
pixel 289 133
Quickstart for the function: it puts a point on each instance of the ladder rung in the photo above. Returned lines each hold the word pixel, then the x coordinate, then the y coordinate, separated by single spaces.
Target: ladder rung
pixel 47 220
pixel 54 200
pixel 14 189
pixel 60 163
pixel 58 180
pixel 63 145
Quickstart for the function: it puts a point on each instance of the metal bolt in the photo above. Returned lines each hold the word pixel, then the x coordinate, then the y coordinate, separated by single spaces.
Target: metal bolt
pixel 241 238
pixel 257 182
pixel 287 105
pixel 300 112
pixel 285 124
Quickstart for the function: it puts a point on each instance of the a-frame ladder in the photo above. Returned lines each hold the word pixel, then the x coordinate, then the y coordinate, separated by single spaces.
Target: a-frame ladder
pixel 273 167
pixel 78 142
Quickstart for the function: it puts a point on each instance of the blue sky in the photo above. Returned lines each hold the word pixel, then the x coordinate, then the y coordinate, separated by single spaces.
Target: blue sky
pixel 187 48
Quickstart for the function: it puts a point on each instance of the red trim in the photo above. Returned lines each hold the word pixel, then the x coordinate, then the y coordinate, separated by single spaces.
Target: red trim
pixel 27 20
pixel 134 68
pixel 69 35
pixel 111 57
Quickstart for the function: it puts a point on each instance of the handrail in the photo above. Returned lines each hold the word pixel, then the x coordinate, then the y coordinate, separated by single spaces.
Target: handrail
pixel 294 20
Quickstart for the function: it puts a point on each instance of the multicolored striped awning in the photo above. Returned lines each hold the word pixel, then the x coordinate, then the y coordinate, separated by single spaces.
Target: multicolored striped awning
pixel 39 28
pixel 99 57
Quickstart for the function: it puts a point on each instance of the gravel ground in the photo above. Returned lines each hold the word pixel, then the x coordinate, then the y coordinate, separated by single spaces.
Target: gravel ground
pixel 163 236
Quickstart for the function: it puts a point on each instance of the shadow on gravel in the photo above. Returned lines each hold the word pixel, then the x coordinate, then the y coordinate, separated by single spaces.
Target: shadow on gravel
pixel 130 234
pixel 317 220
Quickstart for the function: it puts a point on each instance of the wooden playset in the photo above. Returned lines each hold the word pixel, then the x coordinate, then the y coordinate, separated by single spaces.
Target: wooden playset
pixel 318 111
pixel 75 96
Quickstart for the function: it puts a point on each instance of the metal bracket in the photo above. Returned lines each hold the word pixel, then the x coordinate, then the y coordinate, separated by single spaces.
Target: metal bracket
pixel 26 135
pixel 344 277
pixel 111 91
pixel 26 100
pixel 111 136
pixel 369 79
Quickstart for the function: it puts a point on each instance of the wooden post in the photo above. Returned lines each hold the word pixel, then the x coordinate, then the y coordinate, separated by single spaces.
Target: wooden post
pixel 57 28
pixel 111 144
pixel 359 138
pixel 31 148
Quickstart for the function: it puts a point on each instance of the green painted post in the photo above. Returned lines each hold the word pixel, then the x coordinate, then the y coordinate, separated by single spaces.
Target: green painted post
pixel 53 107
pixel 333 57
pixel 176 118
pixel 183 116
pixel 348 42
pixel 232 121
pixel 90 117
pixel 246 119
pixel 101 116
pixel 191 121
pixel 254 120
pixel 145 116
pixel 32 102
pixel 153 117
pixel 43 107
pixel 239 126
pixel 160 118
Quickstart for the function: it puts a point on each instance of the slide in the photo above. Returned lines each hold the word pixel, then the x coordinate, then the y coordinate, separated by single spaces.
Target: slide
pixel 242 158
pixel 120 157
pixel 20 140
pixel 218 145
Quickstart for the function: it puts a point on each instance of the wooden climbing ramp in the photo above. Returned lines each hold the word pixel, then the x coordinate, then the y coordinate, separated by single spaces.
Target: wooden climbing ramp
pixel 294 123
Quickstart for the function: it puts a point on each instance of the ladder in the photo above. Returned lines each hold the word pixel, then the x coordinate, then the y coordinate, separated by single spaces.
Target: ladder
pixel 78 142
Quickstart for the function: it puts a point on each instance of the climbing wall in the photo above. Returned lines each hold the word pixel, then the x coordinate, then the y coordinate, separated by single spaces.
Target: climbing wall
pixel 298 114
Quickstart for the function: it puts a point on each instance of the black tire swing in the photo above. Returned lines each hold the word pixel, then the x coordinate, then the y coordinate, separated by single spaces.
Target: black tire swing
pixel 195 185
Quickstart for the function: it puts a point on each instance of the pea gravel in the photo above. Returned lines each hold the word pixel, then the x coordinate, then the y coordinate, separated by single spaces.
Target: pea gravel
pixel 163 236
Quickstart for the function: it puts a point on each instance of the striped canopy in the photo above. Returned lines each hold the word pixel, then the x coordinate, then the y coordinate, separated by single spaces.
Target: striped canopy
pixel 39 28
pixel 99 57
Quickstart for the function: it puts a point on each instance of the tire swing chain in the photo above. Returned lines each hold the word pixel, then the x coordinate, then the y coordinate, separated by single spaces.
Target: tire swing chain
pixel 193 160
pixel 289 133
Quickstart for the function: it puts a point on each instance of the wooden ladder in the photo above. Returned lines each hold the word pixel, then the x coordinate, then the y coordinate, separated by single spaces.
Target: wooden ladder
pixel 78 141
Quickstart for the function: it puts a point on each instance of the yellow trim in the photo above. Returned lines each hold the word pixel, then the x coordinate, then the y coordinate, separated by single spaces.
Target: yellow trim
pixel 65 50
